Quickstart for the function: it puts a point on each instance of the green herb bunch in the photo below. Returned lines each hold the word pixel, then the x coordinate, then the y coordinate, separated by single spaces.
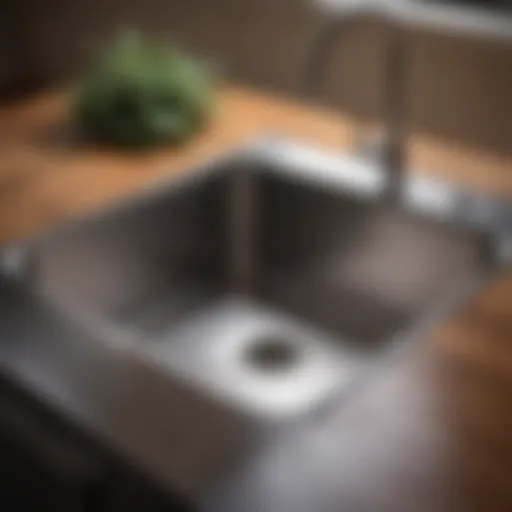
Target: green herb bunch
pixel 143 93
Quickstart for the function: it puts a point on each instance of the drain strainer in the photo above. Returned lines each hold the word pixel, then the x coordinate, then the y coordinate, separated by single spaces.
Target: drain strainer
pixel 272 354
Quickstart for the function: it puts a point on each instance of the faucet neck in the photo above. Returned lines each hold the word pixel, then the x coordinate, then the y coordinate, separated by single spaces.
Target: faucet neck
pixel 395 109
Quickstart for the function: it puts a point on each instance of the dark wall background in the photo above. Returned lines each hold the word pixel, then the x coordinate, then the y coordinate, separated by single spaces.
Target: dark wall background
pixel 459 89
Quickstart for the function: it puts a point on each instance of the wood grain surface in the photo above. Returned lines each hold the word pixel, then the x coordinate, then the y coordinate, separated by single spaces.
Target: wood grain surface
pixel 47 174
pixel 433 432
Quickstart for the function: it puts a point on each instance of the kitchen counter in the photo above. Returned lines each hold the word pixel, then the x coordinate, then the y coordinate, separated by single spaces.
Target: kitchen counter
pixel 431 432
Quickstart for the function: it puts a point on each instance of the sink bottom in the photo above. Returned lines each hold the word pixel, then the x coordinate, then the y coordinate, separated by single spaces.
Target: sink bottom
pixel 262 359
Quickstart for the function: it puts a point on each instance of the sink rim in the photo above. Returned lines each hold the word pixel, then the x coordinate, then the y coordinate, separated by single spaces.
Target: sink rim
pixel 336 172
pixel 422 195
pixel 430 199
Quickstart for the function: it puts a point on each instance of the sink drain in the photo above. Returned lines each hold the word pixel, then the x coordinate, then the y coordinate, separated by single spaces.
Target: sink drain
pixel 272 354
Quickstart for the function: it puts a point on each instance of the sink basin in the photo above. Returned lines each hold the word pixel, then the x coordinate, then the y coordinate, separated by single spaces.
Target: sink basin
pixel 186 324
pixel 268 279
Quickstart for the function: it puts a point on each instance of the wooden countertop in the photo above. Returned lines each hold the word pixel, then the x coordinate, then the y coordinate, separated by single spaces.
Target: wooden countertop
pixel 46 175
pixel 434 432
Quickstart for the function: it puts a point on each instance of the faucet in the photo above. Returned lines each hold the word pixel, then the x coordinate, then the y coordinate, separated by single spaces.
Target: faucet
pixel 392 154
pixel 488 211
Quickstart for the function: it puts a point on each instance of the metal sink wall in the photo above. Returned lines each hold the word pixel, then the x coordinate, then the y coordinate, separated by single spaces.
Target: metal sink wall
pixel 268 279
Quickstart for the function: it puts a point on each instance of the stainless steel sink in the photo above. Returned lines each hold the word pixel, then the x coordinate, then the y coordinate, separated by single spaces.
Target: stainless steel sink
pixel 268 279
pixel 185 325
